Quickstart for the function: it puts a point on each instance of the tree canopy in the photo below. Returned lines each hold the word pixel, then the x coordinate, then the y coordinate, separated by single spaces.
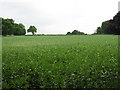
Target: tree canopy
pixel 19 29
pixel 32 29
pixel 9 27
pixel 111 26
pixel 76 32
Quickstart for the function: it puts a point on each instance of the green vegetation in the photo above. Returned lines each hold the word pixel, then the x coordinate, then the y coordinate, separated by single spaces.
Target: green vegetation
pixel 32 29
pixel 111 26
pixel 108 27
pixel 9 27
pixel 102 29
pixel 88 61
pixel 76 32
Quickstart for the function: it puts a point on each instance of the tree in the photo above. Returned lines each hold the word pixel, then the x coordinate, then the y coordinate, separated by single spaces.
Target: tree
pixel 7 26
pixel 68 33
pixel 98 30
pixel 104 27
pixel 11 28
pixel 76 32
pixel 111 26
pixel 114 25
pixel 32 29
pixel 82 33
pixel 19 29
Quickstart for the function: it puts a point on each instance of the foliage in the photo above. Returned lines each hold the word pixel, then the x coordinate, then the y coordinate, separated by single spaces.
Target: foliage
pixel 60 61
pixel 102 29
pixel 7 26
pixel 19 29
pixel 11 28
pixel 99 30
pixel 68 33
pixel 32 29
pixel 114 25
pixel 75 32
pixel 111 26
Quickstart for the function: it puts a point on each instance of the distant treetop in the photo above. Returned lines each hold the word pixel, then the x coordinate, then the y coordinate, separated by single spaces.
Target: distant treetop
pixel 75 32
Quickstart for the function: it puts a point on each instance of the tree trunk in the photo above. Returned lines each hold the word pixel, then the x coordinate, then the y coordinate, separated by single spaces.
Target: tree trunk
pixel 33 33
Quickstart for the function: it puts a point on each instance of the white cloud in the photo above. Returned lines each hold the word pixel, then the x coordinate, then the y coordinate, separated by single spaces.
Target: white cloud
pixel 60 16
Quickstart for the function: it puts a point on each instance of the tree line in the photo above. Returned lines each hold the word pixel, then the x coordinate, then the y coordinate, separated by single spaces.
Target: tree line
pixel 111 26
pixel 9 27
pixel 76 32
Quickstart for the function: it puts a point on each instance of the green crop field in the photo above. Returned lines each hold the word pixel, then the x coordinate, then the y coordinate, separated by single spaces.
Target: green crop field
pixel 72 61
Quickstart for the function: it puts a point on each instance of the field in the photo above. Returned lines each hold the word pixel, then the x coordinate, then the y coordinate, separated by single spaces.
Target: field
pixel 73 61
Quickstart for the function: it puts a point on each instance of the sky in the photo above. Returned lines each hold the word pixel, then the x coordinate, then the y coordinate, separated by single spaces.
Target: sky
pixel 59 16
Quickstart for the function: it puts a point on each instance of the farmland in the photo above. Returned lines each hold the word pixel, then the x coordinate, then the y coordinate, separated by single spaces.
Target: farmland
pixel 72 61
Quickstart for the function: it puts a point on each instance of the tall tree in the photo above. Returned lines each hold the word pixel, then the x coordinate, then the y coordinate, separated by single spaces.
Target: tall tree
pixel 111 26
pixel 104 27
pixel 98 30
pixel 11 28
pixel 32 29
pixel 19 29
pixel 7 26
pixel 114 25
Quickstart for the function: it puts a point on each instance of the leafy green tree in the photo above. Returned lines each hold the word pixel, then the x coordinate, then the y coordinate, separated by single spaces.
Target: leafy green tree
pixel 99 30
pixel 19 29
pixel 75 32
pixel 7 26
pixel 104 27
pixel 32 29
pixel 68 33
pixel 11 28
pixel 82 33
pixel 111 26
pixel 114 25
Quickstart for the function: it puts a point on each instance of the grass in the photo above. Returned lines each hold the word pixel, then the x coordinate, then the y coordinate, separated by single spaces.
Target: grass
pixel 86 61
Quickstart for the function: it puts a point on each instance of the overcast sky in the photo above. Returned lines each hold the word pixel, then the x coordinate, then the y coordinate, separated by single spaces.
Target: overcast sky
pixel 59 16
